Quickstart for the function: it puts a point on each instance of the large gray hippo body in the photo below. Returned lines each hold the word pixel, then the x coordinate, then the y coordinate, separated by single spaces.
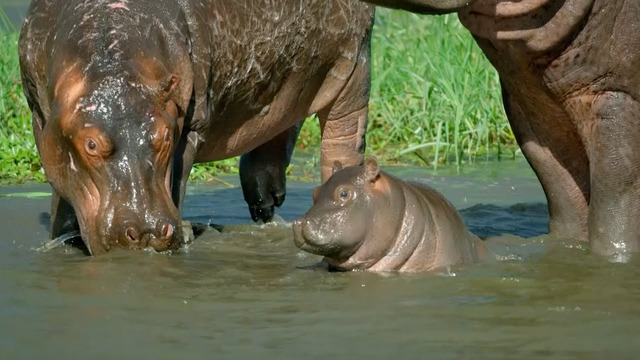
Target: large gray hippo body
pixel 127 95
pixel 571 87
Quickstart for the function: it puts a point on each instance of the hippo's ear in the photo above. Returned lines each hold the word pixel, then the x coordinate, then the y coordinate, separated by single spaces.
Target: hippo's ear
pixel 155 75
pixel 169 96
pixel 337 166
pixel 170 86
pixel 371 169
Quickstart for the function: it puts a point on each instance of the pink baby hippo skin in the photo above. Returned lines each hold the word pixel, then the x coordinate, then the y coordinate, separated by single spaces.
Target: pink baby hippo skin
pixel 365 219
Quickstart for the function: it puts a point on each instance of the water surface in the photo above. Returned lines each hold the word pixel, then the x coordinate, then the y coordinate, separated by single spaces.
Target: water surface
pixel 249 293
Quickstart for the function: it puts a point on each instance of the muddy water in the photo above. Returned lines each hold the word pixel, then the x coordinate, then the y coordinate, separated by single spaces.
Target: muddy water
pixel 247 292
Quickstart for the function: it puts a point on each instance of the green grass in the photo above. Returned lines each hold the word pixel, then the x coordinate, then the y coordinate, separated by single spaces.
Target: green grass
pixel 19 159
pixel 434 95
pixel 434 99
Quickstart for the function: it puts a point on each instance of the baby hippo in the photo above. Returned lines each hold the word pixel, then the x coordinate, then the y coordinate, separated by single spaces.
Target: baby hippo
pixel 365 219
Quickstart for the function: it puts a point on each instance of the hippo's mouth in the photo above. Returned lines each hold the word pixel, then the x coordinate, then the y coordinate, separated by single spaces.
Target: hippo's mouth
pixel 297 234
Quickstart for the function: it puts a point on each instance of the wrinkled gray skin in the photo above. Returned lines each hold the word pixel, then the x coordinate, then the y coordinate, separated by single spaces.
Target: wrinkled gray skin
pixel 364 219
pixel 126 95
pixel 571 91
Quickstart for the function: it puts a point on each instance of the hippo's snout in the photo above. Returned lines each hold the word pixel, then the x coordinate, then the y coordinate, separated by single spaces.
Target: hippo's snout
pixel 163 237
pixel 303 233
pixel 308 235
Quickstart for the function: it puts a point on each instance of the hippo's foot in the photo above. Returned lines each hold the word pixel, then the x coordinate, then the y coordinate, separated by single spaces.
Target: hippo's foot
pixel 263 174
pixel 264 211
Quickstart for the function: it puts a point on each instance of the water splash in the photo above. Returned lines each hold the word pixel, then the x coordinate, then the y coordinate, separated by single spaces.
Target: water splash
pixel 60 240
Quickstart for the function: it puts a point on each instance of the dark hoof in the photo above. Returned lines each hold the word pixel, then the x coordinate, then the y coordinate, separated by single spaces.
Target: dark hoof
pixel 264 213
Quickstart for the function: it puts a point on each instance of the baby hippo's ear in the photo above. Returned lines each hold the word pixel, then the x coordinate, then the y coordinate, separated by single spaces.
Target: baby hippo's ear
pixel 337 166
pixel 314 194
pixel 371 170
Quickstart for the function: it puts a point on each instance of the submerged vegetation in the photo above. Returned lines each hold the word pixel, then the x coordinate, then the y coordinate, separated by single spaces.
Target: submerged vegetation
pixel 434 99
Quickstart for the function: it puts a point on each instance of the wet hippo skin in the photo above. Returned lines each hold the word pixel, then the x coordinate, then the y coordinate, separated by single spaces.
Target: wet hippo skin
pixel 365 219
pixel 126 95
pixel 571 91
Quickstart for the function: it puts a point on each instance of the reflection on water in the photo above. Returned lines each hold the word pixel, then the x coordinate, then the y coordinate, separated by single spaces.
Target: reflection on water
pixel 247 292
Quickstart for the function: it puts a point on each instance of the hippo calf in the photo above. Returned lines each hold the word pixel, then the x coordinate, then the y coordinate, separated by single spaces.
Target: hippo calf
pixel 365 219
pixel 126 95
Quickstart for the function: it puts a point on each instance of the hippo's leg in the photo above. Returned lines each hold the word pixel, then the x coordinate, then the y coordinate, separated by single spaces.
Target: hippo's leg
pixel 344 123
pixel 614 153
pixel 63 217
pixel 556 153
pixel 263 173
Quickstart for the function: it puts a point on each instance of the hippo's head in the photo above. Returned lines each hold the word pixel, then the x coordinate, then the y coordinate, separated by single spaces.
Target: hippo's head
pixel 346 212
pixel 107 149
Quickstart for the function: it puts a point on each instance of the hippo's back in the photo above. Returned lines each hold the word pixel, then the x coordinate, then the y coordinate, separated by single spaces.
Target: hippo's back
pixel 254 45
pixel 456 244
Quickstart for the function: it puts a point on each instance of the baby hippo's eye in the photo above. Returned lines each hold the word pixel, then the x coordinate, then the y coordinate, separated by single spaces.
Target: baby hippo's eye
pixel 344 194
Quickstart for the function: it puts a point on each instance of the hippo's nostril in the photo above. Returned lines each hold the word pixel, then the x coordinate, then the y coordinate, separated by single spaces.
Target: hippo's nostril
pixel 132 235
pixel 167 230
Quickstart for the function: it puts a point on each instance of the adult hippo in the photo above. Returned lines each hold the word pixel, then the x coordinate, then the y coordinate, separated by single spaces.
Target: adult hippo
pixel 126 95
pixel 571 91
pixel 364 219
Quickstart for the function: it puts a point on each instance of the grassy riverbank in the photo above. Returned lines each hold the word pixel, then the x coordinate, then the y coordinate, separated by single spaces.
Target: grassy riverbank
pixel 434 99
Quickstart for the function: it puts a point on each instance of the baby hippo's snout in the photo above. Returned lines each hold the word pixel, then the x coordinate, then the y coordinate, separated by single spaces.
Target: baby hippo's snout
pixel 308 236
pixel 302 232
pixel 163 237
pixel 297 232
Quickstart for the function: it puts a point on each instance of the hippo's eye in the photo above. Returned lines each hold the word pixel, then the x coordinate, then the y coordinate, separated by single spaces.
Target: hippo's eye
pixel 91 146
pixel 344 194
